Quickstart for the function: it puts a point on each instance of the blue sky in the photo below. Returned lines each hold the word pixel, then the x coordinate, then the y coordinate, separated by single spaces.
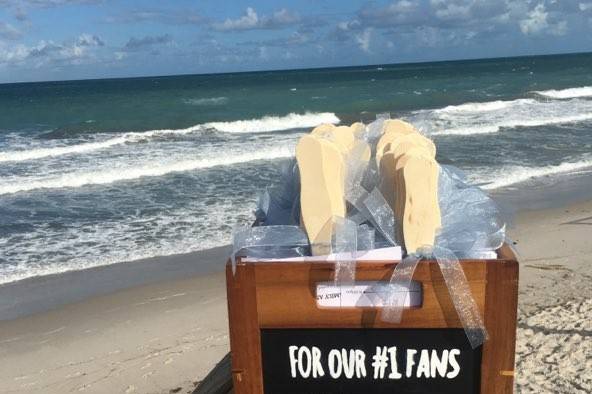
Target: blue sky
pixel 73 39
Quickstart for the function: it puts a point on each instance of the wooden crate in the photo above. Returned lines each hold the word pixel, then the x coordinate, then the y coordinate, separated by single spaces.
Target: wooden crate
pixel 272 296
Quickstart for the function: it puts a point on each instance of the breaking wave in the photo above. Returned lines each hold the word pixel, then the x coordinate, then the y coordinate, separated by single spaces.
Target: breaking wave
pixel 584 91
pixel 510 175
pixel 482 107
pixel 261 125
pixel 21 155
pixel 510 123
pixel 77 179
pixel 274 123
pixel 492 116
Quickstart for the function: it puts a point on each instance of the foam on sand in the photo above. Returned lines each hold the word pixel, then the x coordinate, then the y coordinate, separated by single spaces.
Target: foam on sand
pixel 77 179
pixel 584 91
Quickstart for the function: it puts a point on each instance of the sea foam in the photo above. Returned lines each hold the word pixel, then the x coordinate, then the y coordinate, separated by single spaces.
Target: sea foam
pixel 31 154
pixel 493 116
pixel 79 178
pixel 483 106
pixel 511 123
pixel 584 91
pixel 274 123
pixel 206 101
pixel 91 243
pixel 261 125
pixel 510 175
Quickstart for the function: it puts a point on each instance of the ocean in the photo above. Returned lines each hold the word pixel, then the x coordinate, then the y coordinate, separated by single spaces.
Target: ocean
pixel 101 172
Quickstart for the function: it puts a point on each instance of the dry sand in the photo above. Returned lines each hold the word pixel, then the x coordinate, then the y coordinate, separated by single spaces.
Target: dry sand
pixel 554 350
pixel 164 337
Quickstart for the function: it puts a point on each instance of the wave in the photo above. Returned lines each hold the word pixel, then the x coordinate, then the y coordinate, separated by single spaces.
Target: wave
pixel 274 123
pixel 206 101
pixel 493 116
pixel 510 175
pixel 486 129
pixel 262 125
pixel 91 244
pixel 584 91
pixel 483 107
pixel 78 179
pixel 32 154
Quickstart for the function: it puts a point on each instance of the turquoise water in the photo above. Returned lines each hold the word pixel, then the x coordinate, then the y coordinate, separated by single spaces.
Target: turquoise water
pixel 104 171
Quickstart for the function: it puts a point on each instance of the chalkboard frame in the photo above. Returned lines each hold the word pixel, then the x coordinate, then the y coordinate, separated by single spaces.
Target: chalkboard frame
pixel 273 295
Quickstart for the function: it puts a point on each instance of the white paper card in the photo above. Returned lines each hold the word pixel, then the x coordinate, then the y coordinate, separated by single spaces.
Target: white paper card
pixel 366 294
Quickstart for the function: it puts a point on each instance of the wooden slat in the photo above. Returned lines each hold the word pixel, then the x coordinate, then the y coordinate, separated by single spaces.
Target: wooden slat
pixel 497 367
pixel 244 329
pixel 286 296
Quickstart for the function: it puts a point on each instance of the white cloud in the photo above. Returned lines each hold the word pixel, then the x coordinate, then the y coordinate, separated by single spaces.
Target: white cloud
pixel 9 32
pixel 537 22
pixel 87 40
pixel 136 44
pixel 559 28
pixel 402 6
pixel 248 21
pixel 174 16
pixel 450 10
pixel 585 6
pixel 45 52
pixel 251 21
pixel 349 25
pixel 53 3
pixel 363 40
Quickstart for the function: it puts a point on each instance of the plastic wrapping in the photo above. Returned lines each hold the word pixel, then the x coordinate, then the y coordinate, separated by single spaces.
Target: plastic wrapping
pixel 402 275
pixel 374 131
pixel 366 237
pixel 280 205
pixel 471 222
pixel 461 296
pixel 471 228
pixel 269 242
pixel 356 168
pixel 345 244
pixel 381 215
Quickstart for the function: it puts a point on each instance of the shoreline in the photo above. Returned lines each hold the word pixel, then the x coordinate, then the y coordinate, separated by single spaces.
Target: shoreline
pixel 41 293
pixel 159 325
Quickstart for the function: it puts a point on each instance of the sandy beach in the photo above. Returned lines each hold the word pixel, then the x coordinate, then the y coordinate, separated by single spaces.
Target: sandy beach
pixel 164 337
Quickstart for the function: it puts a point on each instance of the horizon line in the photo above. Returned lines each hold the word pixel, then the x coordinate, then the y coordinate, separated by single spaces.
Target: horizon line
pixel 298 68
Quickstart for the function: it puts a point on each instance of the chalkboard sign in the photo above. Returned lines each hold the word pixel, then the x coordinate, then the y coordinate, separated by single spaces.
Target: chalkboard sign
pixel 354 361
